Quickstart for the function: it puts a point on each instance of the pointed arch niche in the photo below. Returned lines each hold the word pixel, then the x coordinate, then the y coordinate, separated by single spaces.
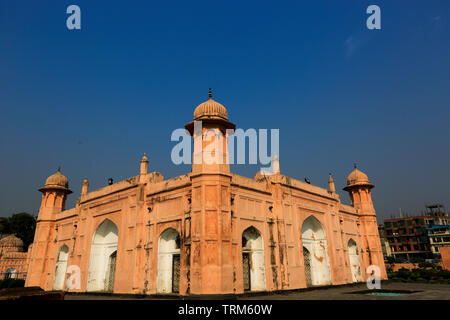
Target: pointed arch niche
pixel 315 242
pixel 102 262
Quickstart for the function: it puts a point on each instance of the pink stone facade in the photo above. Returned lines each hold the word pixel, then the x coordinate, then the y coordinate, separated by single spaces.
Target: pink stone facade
pixel 445 255
pixel 13 260
pixel 205 232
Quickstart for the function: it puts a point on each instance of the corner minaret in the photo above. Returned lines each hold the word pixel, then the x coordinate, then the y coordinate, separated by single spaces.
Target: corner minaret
pixel 54 195
pixel 210 263
pixel 358 187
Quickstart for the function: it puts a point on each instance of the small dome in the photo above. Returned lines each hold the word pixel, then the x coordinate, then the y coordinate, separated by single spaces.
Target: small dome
pixel 210 109
pixel 357 178
pixel 11 241
pixel 58 180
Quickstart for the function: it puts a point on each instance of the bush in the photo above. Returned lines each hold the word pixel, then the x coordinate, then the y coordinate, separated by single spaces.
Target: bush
pixel 421 275
pixel 426 265
pixel 12 283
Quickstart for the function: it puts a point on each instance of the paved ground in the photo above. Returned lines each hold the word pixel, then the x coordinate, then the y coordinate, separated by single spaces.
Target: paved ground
pixel 424 292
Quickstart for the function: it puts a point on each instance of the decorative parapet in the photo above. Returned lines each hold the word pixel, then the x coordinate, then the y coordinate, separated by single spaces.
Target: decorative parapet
pixel 168 185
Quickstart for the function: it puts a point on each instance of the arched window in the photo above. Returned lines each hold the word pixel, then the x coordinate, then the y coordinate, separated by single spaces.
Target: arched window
pixel 314 240
pixel 253 263
pixel 102 261
pixel 168 273
pixel 61 267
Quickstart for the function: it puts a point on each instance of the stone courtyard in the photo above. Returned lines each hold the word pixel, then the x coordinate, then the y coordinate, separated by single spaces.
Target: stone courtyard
pixel 420 291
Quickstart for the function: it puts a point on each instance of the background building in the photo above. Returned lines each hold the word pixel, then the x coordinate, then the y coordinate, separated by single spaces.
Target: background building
pixel 13 259
pixel 408 237
pixel 438 226
pixel 418 237
pixel 384 242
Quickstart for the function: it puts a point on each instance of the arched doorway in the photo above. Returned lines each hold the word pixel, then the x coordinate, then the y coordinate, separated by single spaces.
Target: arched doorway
pixel 253 260
pixel 102 263
pixel 307 259
pixel 315 242
pixel 168 274
pixel 61 267
pixel 111 271
pixel 354 261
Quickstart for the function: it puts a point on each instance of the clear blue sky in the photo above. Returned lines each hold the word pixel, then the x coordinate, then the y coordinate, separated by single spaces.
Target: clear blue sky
pixel 93 101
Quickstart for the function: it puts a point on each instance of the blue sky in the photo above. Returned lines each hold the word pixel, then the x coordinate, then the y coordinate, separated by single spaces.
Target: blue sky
pixel 94 100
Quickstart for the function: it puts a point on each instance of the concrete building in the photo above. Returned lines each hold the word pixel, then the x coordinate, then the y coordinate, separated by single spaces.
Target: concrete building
pixel 438 226
pixel 408 237
pixel 418 236
pixel 384 242
pixel 206 232
pixel 439 237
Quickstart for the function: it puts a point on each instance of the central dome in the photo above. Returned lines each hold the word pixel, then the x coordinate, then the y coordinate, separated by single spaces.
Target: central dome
pixel 210 109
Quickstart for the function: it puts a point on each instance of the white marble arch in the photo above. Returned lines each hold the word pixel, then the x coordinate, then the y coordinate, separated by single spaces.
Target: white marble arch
pixel 314 239
pixel 104 244
pixel 253 243
pixel 355 266
pixel 61 267
pixel 168 246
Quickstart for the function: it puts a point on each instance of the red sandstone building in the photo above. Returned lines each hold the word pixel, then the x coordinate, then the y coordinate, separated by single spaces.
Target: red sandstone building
pixel 206 232
pixel 13 259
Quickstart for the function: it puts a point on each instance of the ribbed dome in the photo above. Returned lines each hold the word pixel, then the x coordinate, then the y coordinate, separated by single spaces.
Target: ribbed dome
pixel 11 241
pixel 358 178
pixel 57 180
pixel 210 109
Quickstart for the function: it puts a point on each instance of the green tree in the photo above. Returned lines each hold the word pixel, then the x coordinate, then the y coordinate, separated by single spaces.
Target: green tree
pixel 4 226
pixel 22 225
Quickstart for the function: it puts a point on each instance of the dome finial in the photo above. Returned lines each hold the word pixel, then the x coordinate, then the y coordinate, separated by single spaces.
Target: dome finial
pixel 210 109
pixel 59 169
pixel 354 165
